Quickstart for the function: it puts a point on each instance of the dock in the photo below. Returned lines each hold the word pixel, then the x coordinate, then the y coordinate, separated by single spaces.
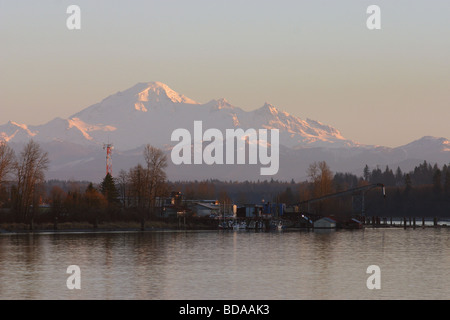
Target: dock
pixel 406 222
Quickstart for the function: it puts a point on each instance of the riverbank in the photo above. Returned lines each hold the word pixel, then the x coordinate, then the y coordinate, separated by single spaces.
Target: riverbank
pixel 161 225
pixel 8 228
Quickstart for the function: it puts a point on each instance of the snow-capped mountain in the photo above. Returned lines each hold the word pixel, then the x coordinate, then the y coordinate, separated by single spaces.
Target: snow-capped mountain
pixel 148 113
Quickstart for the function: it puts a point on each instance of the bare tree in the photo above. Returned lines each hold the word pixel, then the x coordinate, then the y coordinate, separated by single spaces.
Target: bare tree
pixel 7 158
pixel 143 184
pixel 30 172
pixel 156 162
pixel 136 187
pixel 122 180
pixel 321 179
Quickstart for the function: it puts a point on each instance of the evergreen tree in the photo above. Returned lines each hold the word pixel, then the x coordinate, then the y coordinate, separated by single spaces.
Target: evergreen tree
pixel 376 176
pixel 437 181
pixel 398 177
pixel 408 184
pixel 423 174
pixel 447 182
pixel 366 173
pixel 109 190
pixel 388 177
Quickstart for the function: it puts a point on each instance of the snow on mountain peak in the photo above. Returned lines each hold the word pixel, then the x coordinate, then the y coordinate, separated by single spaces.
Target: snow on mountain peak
pixel 319 125
pixel 24 127
pixel 130 104
pixel 157 90
pixel 149 111
pixel 269 108
pixel 85 128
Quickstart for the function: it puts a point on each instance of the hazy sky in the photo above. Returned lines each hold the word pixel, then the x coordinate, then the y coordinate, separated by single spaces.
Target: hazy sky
pixel 314 59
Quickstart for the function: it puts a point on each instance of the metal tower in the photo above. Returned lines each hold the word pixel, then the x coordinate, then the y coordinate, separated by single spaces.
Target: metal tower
pixel 109 148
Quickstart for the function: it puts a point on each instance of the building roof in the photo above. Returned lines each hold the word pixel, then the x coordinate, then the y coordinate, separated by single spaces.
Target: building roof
pixel 207 205
pixel 328 219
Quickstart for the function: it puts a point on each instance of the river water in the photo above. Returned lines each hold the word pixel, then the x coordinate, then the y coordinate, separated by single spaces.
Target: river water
pixel 228 265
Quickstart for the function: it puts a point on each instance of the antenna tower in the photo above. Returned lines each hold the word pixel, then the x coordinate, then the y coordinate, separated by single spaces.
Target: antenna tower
pixel 109 148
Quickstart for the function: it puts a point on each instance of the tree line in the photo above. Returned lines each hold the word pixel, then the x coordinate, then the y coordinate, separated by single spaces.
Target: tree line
pixel 133 194
pixel 423 174
pixel 130 196
pixel 423 191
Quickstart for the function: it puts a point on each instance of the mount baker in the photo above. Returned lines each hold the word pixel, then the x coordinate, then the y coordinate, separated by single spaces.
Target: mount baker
pixel 148 113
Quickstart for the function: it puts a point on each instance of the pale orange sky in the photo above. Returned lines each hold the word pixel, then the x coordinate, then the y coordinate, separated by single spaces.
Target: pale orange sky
pixel 313 59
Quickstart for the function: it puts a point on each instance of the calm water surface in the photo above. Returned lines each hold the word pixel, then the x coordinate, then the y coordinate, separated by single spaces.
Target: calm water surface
pixel 415 264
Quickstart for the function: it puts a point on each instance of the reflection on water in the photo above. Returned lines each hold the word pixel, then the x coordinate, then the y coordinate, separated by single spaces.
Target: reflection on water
pixel 228 265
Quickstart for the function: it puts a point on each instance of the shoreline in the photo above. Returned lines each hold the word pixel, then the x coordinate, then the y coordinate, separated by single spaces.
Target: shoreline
pixel 85 227
pixel 73 228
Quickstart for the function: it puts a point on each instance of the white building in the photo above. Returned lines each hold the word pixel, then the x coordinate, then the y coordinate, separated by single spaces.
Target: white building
pixel 204 209
pixel 325 223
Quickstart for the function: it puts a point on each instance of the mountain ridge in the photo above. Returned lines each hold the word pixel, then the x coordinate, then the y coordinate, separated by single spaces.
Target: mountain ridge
pixel 148 112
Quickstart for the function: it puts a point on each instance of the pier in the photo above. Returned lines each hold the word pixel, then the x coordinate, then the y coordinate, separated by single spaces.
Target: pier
pixel 311 222
pixel 406 222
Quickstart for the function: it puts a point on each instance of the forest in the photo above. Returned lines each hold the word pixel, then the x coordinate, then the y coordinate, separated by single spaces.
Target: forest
pixel 133 195
pixel 421 192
